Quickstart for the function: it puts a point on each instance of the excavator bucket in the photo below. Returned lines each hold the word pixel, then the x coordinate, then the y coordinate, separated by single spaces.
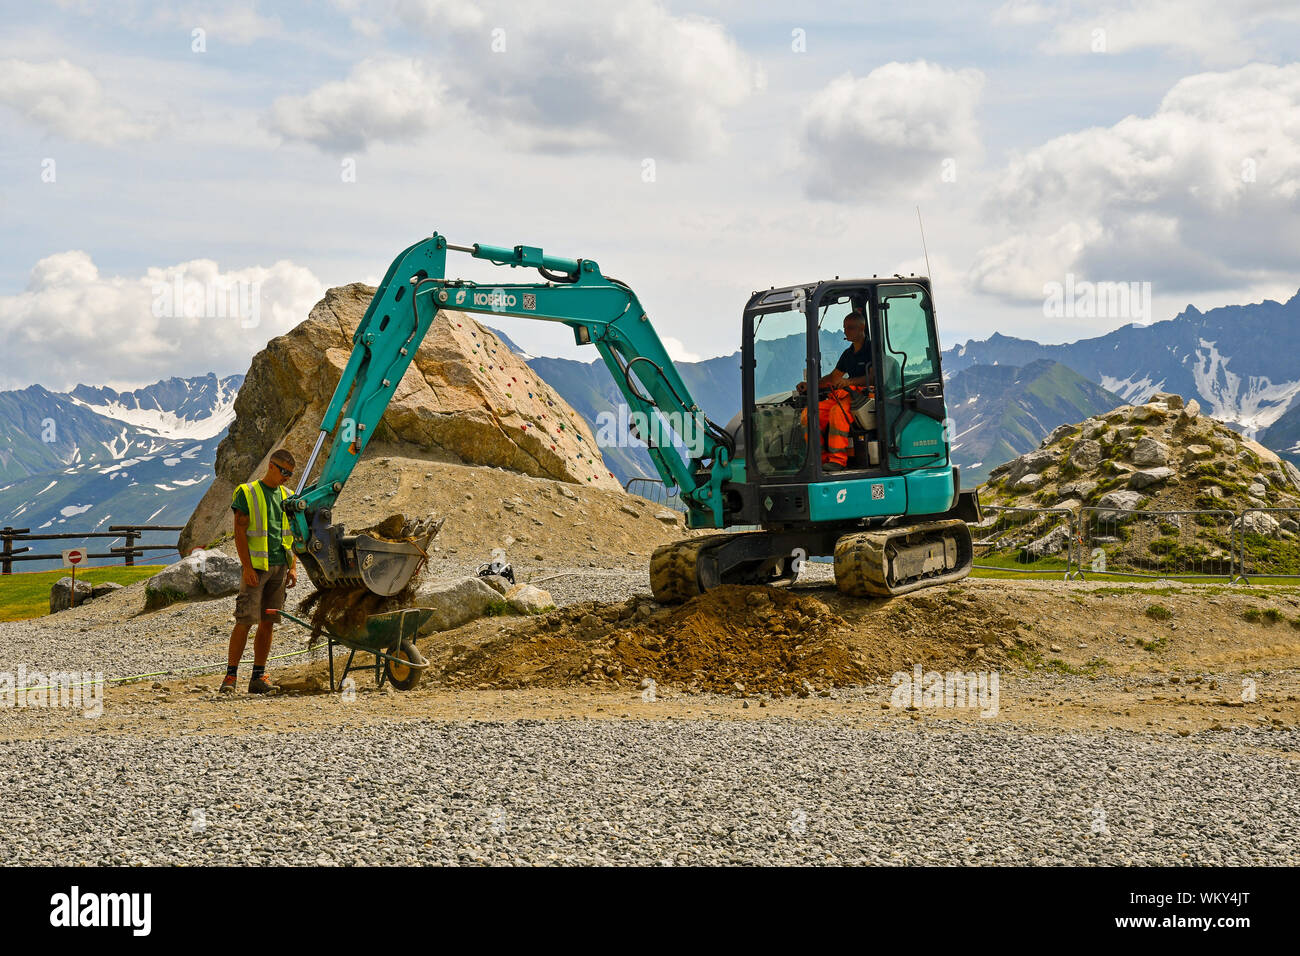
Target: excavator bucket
pixel 366 559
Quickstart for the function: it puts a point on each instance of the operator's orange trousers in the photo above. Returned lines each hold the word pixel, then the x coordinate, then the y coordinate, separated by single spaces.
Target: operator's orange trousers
pixel 834 416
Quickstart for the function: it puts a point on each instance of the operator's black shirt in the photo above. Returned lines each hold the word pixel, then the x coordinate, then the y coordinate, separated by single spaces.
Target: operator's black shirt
pixel 855 364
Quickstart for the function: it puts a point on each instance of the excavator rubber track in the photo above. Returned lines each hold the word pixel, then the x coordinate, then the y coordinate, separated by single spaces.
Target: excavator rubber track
pixel 893 561
pixel 674 574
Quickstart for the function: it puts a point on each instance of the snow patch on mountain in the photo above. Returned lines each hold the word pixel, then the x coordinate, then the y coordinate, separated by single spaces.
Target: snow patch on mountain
pixel 1253 403
pixel 166 423
pixel 1138 387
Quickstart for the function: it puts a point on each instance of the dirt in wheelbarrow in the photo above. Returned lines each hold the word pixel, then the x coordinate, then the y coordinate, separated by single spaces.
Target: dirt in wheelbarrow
pixel 344 610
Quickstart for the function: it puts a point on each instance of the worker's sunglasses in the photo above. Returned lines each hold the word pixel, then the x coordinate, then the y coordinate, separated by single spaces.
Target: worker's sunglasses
pixel 286 472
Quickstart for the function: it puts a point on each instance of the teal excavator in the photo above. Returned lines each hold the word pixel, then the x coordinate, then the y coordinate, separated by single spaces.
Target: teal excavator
pixel 894 518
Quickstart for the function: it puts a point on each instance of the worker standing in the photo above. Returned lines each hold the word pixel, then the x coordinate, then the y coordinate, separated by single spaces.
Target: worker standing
pixel 264 540
pixel 853 372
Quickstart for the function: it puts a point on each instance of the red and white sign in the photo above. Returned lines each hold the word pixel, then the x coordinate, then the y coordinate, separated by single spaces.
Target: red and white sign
pixel 73 557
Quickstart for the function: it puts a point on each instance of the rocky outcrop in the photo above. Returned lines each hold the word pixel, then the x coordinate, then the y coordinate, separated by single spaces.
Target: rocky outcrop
pixel 466 399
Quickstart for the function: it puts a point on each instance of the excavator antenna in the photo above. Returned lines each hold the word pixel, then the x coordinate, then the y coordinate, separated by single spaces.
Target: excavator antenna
pixel 923 248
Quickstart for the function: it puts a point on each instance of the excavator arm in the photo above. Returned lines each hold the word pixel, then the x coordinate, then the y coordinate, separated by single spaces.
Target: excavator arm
pixel 601 311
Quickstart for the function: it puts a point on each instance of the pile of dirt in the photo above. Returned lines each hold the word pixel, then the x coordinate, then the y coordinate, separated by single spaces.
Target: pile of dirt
pixel 733 639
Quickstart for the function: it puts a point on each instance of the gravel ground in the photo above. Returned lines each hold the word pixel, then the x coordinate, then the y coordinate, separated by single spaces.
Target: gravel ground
pixel 676 792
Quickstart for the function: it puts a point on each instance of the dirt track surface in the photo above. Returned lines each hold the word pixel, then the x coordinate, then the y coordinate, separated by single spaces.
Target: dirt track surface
pixel 773 732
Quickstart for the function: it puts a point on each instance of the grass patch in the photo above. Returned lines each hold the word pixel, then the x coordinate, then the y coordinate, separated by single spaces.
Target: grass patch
pixel 1252 615
pixel 1155 645
pixel 27 594
pixel 1158 612
pixel 499 609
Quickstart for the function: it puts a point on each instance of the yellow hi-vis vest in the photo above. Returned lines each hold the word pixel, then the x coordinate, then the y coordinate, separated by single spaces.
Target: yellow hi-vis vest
pixel 259 544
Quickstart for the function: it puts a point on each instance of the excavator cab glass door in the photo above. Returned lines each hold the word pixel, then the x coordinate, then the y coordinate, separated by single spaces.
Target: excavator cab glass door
pixel 912 382
pixel 777 341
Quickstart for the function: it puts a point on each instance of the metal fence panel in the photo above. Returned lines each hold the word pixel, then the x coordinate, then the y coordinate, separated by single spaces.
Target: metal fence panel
pixel 1158 544
pixel 1268 543
pixel 1027 540
pixel 653 489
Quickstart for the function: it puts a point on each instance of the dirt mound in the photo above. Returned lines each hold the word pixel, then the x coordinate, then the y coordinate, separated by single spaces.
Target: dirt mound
pixel 762 639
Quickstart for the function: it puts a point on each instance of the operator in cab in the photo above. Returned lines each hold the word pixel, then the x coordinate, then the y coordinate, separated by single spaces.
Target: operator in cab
pixel 853 373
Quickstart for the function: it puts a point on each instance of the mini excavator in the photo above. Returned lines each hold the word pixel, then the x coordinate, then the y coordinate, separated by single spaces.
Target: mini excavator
pixel 894 518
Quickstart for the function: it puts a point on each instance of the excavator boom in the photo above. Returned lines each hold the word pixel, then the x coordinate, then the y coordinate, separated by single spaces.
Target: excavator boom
pixel 601 311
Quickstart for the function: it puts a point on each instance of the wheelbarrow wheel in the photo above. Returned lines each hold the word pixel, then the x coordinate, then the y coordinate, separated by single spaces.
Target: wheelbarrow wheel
pixel 401 676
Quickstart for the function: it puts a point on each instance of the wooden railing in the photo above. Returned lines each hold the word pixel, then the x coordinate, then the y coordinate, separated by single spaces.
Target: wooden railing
pixel 128 552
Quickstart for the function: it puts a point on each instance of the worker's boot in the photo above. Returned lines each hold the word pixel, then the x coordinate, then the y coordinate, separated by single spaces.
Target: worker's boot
pixel 260 685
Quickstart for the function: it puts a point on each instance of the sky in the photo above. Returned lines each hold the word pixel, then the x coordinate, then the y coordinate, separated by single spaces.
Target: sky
pixel 180 182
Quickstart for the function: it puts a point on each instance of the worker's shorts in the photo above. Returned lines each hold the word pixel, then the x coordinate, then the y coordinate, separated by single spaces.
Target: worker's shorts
pixel 253 602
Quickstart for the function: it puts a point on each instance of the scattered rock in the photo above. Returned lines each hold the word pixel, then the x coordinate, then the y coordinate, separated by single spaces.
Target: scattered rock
pixel 527 599
pixel 1151 476
pixel 1257 522
pixel 1086 454
pixel 1053 543
pixel 1059 432
pixel 1028 483
pixel 454 602
pixel 1148 452
pixel 61 594
pixel 1121 501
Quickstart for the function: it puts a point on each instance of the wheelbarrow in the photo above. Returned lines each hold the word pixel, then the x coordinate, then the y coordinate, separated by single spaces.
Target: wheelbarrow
pixel 389 638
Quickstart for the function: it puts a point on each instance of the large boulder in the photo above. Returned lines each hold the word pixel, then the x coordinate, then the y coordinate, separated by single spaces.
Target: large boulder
pixel 200 574
pixel 466 398
pixel 219 573
pixel 1168 399
pixel 454 602
pixel 176 582
pixel 61 594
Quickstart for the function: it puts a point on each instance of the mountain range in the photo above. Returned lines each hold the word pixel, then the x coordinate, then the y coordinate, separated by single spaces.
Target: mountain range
pixel 93 457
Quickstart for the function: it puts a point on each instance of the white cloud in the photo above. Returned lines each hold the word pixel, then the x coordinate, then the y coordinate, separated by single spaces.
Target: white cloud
pixel 67 100
pixel 632 79
pixel 1202 194
pixel 677 351
pixel 72 324
pixel 1218 33
pixel 391 100
pixel 894 126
